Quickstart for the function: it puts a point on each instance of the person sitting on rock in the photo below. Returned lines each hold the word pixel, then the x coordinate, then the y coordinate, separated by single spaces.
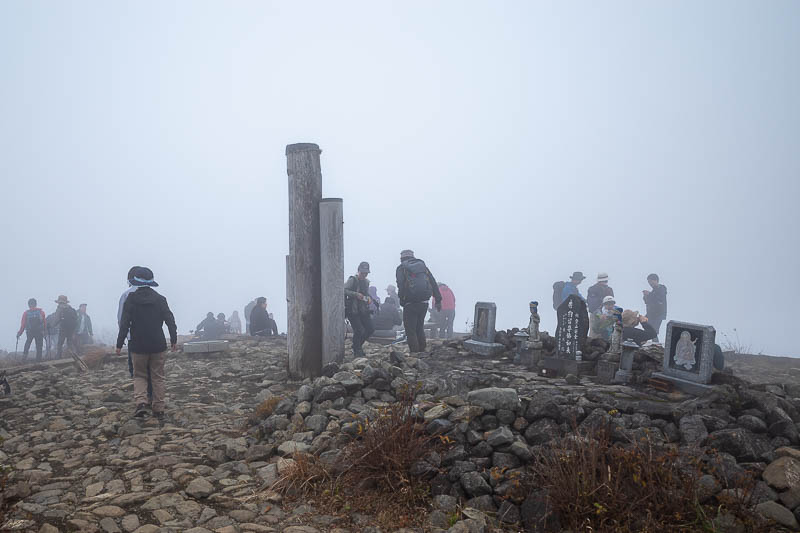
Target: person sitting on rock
pixel 235 324
pixel 272 326
pixel 389 315
pixel 630 320
pixel 259 319
pixel 207 329
pixel 222 324
pixel 144 314
pixel 604 319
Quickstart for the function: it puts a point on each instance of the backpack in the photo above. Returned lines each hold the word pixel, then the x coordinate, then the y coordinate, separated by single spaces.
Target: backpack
pixel 418 283
pixel 69 319
pixel 33 322
pixel 558 288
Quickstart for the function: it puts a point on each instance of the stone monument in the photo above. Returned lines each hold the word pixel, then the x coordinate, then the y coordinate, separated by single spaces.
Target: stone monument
pixel 688 356
pixel 625 371
pixel 483 332
pixel 571 332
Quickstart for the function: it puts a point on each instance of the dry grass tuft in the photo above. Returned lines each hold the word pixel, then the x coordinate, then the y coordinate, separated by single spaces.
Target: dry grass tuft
pixel 94 356
pixel 595 485
pixel 263 411
pixel 373 473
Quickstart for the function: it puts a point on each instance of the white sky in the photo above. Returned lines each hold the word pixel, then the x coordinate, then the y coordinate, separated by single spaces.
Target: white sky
pixel 507 143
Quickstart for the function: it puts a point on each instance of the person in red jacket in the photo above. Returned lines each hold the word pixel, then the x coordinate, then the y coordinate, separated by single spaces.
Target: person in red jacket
pixel 448 311
pixel 33 321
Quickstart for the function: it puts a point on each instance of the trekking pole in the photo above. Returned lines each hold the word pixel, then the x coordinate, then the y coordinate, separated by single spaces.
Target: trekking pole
pixel 16 347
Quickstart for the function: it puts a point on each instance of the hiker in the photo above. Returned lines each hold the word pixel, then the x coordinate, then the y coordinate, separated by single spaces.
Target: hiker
pixel 51 332
pixel 448 313
pixel 604 319
pixel 144 314
pixel 67 321
pixel 235 325
pixel 563 289
pixel 85 334
pixel 416 285
pixel 375 302
pixel 33 324
pixel 594 299
pixel 248 310
pixel 222 325
pixel 122 299
pixel 388 315
pixel 391 292
pixel 655 301
pixel 209 328
pixel 259 319
pixel 356 307
pixel 630 320
pixel 272 326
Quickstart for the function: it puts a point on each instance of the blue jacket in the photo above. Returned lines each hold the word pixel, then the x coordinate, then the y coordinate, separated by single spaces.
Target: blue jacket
pixel 570 288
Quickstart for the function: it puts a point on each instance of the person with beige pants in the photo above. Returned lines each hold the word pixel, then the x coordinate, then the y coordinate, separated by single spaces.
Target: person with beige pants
pixel 144 313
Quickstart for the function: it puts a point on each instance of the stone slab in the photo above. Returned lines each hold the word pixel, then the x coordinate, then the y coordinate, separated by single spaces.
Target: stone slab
pixel 690 387
pixel 484 348
pixel 606 371
pixel 578 368
pixel 206 346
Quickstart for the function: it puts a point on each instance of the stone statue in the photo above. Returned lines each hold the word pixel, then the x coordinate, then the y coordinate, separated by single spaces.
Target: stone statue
pixel 616 335
pixel 685 351
pixel 533 325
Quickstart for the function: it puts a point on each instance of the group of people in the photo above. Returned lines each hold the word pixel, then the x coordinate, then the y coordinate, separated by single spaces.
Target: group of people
pixel 604 313
pixel 65 325
pixel 416 287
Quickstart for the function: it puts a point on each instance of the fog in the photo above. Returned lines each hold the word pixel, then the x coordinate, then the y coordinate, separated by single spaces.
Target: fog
pixel 507 143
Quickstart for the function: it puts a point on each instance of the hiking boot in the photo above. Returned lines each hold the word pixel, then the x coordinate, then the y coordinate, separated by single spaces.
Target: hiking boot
pixel 159 415
pixel 141 410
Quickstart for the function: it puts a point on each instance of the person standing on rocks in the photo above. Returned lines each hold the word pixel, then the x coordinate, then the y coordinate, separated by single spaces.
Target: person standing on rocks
pixel 416 285
pixel 594 300
pixel 33 324
pixel 235 324
pixel 85 333
pixel 248 310
pixel 67 321
pixel 144 314
pixel 259 319
pixel 655 301
pixel 132 288
pixel 356 307
pixel 448 313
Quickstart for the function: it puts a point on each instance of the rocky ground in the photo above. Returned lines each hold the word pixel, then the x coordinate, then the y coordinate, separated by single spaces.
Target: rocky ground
pixel 80 462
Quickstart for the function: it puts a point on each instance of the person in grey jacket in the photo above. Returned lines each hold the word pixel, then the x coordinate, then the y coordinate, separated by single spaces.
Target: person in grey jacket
pixel 655 301
pixel 356 309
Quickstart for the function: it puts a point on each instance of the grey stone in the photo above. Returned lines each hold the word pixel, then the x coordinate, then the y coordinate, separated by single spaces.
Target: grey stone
pixel 779 513
pixel 783 473
pixel 305 393
pixel 693 430
pixel 508 513
pixel 500 437
pixel 474 484
pixel 494 398
pixel 200 488
pixel 330 392
pixel 752 423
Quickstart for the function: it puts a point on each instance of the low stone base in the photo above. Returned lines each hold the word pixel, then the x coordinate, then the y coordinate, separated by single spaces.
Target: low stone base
pixel 606 371
pixel 690 387
pixel 557 366
pixel 205 346
pixel 484 348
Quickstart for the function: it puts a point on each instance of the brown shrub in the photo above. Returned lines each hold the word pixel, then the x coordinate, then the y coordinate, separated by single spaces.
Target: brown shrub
pixel 263 410
pixel 94 356
pixel 595 485
pixel 373 473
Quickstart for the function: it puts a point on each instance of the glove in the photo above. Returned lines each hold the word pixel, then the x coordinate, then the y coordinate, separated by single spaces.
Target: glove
pixel 19 335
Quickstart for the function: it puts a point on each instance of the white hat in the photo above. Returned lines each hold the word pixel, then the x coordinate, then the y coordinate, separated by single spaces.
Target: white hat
pixel 609 299
pixel 602 276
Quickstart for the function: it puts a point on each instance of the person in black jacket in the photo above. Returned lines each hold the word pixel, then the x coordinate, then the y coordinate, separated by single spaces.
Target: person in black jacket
pixel 209 327
pixel 415 286
pixel 259 319
pixel 655 301
pixel 67 321
pixel 631 319
pixel 144 314
pixel 356 308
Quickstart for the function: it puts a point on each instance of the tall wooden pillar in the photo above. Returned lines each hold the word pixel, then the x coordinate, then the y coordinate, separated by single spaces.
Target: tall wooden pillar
pixel 332 263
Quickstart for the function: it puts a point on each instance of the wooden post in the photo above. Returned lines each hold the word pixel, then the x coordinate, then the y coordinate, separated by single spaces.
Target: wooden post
pixel 331 227
pixel 303 267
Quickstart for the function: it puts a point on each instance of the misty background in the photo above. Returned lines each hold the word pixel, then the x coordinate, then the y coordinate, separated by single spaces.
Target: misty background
pixel 507 143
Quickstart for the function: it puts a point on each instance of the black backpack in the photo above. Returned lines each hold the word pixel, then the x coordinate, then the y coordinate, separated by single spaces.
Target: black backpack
pixel 33 322
pixel 558 288
pixel 418 283
pixel 69 319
